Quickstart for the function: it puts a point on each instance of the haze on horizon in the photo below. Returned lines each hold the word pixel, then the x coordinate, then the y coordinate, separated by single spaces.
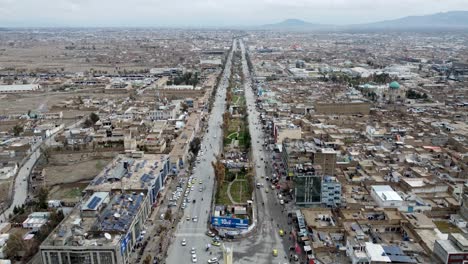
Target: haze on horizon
pixel 210 13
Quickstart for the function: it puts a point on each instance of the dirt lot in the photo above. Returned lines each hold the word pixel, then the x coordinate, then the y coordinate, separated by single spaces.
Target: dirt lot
pixel 43 101
pixel 4 190
pixel 69 193
pixel 85 170
pixel 71 168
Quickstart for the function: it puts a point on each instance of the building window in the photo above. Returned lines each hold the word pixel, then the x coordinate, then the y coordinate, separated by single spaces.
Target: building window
pixel 106 258
pixel 64 257
pixel 54 257
pixel 82 258
pixel 95 258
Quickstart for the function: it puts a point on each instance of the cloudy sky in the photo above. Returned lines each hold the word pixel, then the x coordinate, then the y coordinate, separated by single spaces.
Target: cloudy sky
pixel 211 12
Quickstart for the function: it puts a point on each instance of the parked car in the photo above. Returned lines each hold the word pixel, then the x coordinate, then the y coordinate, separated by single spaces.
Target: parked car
pixel 213 260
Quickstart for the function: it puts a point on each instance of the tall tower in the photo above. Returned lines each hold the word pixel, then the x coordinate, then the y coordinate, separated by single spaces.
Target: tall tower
pixel 227 254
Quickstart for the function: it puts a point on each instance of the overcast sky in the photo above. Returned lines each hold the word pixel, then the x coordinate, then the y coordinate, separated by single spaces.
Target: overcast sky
pixel 211 12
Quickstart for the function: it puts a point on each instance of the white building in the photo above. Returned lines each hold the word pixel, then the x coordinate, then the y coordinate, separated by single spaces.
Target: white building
pixel 386 197
pixel 36 220
pixel 19 88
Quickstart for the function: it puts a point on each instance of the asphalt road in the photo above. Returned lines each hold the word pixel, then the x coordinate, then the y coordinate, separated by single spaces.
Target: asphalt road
pixel 256 248
pixel 211 145
pixel 22 177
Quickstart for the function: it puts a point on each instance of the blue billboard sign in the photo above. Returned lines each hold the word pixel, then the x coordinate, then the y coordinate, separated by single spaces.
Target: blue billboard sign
pixel 123 244
pixel 230 222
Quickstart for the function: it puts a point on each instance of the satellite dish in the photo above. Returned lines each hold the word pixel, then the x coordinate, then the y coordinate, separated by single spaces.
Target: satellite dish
pixel 116 215
pixel 107 236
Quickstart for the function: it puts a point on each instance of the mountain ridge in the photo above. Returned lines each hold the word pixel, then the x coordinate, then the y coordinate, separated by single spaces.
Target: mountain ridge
pixel 450 19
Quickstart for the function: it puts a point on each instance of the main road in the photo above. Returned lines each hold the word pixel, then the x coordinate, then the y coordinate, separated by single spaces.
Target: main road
pixel 211 145
pixel 258 246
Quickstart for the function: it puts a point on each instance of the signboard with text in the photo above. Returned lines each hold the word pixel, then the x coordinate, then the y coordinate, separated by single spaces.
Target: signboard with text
pixel 229 222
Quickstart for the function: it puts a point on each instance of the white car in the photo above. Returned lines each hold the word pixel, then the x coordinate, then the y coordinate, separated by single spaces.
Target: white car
pixel 184 242
pixel 192 251
pixel 195 219
pixel 213 260
pixel 194 258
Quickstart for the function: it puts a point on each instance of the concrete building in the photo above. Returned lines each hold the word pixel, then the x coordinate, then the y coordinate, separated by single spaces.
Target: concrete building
pixel 453 250
pixel 386 197
pixel 19 88
pixel 331 191
pixel 107 224
pixel 36 220
pixel 164 112
pixel 283 131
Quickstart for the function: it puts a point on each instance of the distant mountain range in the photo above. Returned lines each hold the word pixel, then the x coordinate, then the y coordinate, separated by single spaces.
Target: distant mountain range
pixel 447 20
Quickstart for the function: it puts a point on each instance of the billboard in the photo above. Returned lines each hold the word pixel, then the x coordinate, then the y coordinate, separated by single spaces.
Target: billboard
pixel 229 222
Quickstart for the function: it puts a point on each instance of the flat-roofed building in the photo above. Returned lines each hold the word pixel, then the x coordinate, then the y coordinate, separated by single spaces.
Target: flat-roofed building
pixel 106 225
pixel 19 88
pixel 386 197
pixel 453 250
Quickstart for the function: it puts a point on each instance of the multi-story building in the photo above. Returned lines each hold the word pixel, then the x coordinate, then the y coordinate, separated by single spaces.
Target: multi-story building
pixel 106 226
pixel 331 191
pixel 308 191
pixel 453 250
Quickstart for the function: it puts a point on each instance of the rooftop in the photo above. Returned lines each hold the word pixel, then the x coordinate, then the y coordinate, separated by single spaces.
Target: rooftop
pixel 127 173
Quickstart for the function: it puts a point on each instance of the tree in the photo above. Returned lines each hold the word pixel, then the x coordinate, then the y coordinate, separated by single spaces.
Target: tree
pixel 87 123
pixel 147 259
pixel 184 107
pixel 195 145
pixel 168 215
pixel 17 130
pixel 94 118
pixel 46 153
pixel 14 245
pixel 42 198
pixel 220 171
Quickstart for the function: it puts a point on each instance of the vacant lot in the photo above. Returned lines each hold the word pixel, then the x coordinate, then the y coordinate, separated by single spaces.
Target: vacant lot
pixel 67 192
pixel 4 190
pixel 81 171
